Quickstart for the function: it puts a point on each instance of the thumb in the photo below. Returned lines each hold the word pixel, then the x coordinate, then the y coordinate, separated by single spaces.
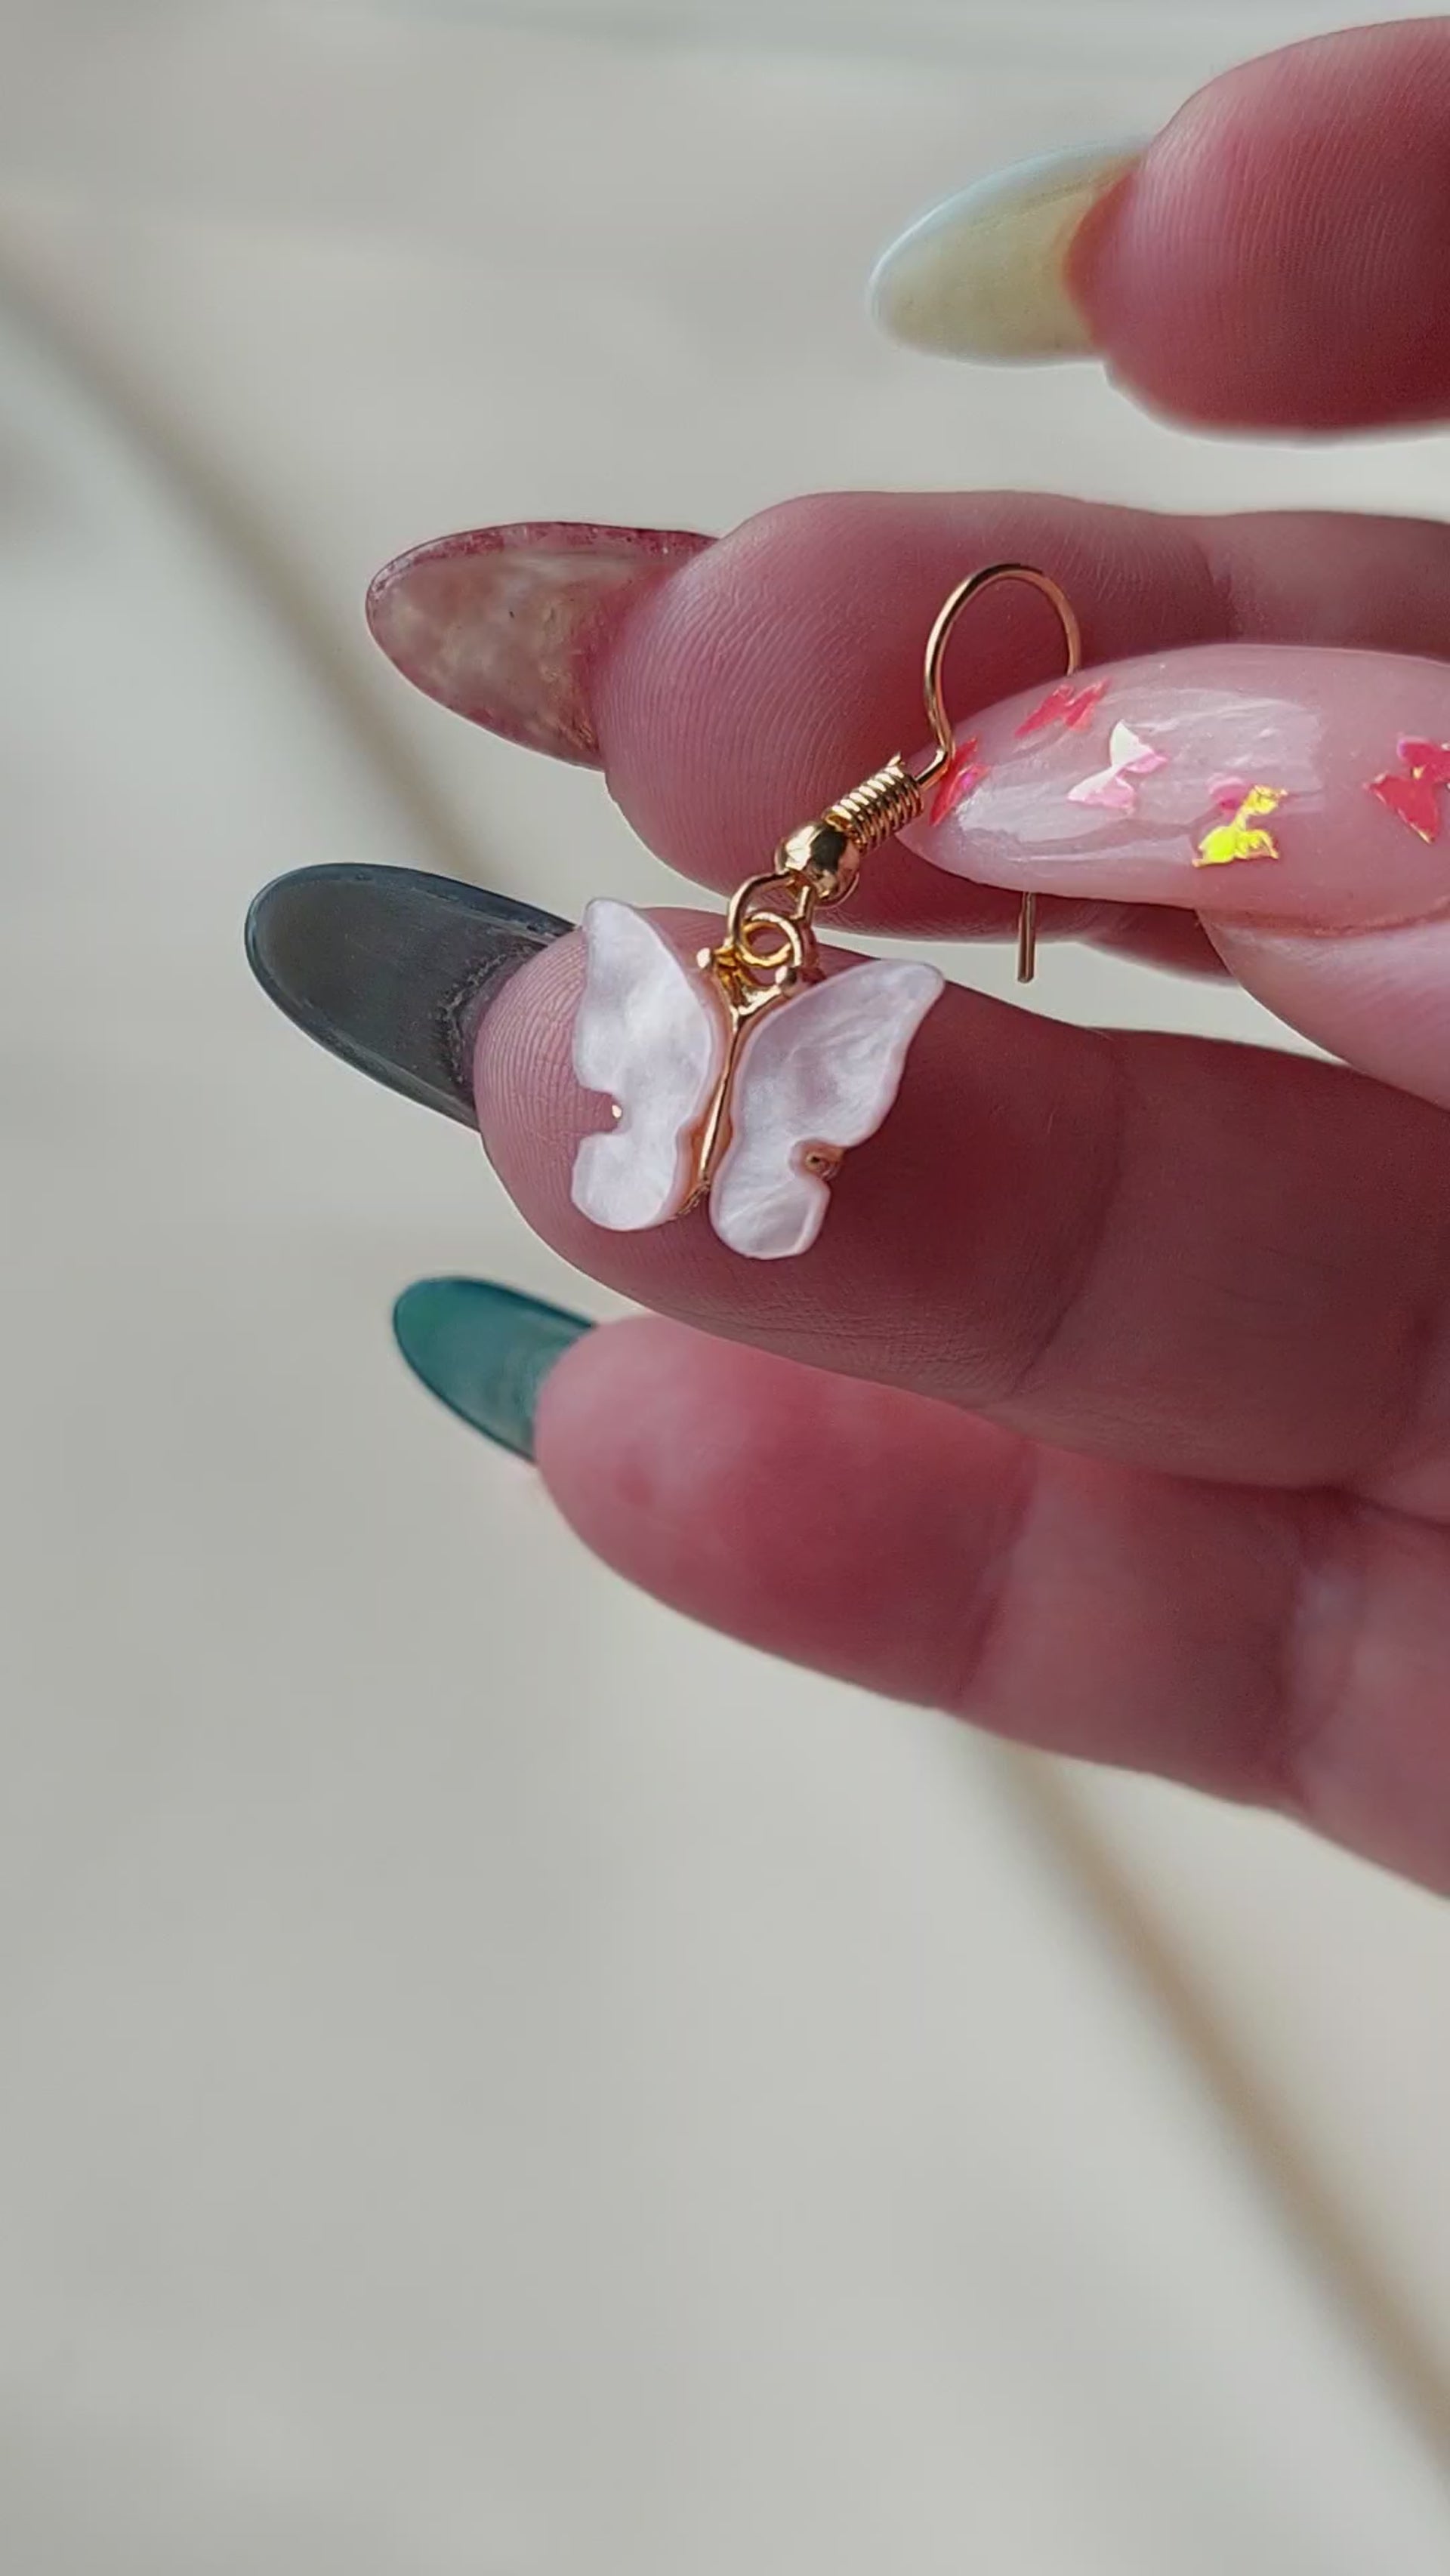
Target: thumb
pixel 1296 798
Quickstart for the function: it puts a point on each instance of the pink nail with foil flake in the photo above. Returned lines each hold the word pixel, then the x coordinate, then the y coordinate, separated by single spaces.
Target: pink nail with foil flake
pixel 1260 781
pixel 501 624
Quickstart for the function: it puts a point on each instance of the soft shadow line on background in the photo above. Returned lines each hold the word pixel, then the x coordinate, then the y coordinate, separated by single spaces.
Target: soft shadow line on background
pixel 1280 2161
pixel 260 564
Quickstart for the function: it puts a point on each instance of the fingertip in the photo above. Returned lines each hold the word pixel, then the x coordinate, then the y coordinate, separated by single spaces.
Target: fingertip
pixel 1272 259
pixel 779 1504
pixel 1275 258
pixel 604 1424
pixel 655 1445
pixel 985 274
pixel 523 1088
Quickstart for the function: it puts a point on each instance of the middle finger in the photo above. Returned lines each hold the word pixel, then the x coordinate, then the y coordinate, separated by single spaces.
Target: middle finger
pixel 731 689
pixel 1211 1260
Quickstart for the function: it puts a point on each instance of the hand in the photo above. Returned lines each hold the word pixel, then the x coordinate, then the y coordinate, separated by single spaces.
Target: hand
pixel 1112 1409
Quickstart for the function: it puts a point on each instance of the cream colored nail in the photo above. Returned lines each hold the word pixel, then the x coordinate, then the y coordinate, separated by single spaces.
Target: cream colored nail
pixel 983 275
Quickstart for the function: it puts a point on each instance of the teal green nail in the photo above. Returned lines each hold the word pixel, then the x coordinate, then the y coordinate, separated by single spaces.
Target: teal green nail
pixel 484 1351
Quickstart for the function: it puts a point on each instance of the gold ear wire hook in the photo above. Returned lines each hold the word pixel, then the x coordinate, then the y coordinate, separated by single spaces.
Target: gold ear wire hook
pixel 826 854
pixel 936 646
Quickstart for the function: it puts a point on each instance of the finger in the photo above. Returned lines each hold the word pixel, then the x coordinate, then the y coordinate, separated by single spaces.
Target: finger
pixel 1173 942
pixel 1273 259
pixel 1287 1650
pixel 736 693
pixel 1298 801
pixel 1228 1263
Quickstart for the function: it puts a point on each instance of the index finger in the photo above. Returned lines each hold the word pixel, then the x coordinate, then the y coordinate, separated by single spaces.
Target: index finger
pixel 731 690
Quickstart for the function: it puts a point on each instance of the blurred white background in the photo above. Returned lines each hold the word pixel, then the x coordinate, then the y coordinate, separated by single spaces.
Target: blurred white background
pixel 492 2079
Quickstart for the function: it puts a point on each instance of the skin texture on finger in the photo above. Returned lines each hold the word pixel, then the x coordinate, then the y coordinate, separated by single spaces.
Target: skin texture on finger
pixel 1288 1650
pixel 1208 1259
pixel 1276 260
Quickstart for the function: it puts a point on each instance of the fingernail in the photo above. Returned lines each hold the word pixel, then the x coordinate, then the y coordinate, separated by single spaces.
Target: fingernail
pixel 484 1351
pixel 393 970
pixel 985 273
pixel 502 624
pixel 1263 780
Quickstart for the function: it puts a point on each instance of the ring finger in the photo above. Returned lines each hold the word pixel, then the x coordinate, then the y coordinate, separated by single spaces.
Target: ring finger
pixel 1206 1259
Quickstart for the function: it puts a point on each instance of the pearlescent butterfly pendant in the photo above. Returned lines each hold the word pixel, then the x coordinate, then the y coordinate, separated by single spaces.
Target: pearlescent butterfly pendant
pixel 742 1078
pixel 732 1080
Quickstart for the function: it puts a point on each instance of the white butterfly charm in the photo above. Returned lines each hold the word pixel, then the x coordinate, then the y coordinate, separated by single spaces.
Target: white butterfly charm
pixel 1129 758
pixel 757 1112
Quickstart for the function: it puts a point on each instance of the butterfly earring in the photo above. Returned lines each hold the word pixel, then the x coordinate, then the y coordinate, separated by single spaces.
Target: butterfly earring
pixel 743 1079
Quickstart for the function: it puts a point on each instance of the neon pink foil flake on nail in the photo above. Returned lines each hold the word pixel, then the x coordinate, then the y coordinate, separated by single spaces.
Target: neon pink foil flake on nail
pixel 1414 800
pixel 1129 758
pixel 963 772
pixel 1066 705
pixel 502 624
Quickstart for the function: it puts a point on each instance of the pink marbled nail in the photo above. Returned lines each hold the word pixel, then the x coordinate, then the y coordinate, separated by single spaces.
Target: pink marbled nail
pixel 1263 781
pixel 502 624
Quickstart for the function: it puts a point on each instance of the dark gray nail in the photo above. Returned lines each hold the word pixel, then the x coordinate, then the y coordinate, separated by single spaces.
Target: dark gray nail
pixel 392 969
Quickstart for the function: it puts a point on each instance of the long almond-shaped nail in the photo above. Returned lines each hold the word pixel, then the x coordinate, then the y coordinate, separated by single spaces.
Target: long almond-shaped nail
pixel 986 274
pixel 502 624
pixel 484 1351
pixel 393 970
pixel 1263 781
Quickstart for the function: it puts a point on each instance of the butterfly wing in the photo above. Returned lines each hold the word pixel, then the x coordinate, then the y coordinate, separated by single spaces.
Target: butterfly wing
pixel 1108 787
pixel 1412 800
pixel 1128 757
pixel 1064 705
pixel 1081 702
pixel 653 1037
pixel 1105 787
pixel 1130 751
pixel 818 1075
pixel 1241 838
